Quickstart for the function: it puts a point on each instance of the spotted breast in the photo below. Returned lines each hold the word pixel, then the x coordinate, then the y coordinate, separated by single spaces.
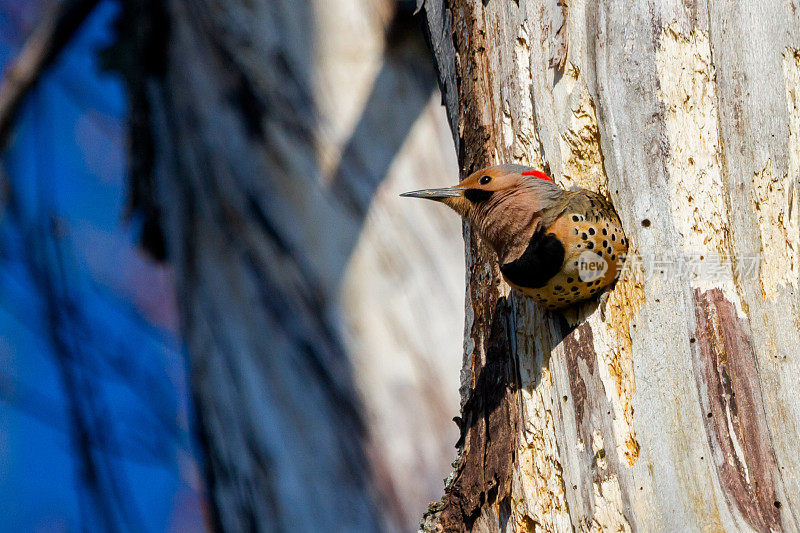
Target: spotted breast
pixel 573 258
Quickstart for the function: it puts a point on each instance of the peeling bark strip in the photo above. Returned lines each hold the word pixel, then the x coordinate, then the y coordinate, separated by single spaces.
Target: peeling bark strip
pixel 489 425
pixel 735 416
pixel 579 349
pixel 490 411
pixel 597 438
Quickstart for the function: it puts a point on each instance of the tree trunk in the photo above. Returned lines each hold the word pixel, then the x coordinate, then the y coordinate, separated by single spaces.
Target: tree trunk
pixel 671 405
pixel 313 301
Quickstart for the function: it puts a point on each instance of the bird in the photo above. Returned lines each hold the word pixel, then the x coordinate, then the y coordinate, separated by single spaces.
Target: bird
pixel 556 246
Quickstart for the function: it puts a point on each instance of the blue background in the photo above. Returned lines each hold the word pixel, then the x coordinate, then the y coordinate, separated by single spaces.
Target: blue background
pixel 88 323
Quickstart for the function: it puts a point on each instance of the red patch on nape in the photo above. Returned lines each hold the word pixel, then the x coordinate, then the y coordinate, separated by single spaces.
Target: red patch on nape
pixel 538 174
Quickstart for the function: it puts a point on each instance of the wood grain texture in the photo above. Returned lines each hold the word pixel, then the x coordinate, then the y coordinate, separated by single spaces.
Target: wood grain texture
pixel 671 405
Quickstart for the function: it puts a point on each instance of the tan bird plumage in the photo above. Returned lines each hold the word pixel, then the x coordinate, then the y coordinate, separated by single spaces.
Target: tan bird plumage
pixel 547 240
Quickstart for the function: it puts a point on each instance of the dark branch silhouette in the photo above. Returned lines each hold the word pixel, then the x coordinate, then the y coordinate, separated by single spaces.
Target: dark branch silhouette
pixel 58 25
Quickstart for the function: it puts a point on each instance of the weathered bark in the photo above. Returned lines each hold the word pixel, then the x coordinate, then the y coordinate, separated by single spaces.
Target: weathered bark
pixel 673 404
pixel 265 131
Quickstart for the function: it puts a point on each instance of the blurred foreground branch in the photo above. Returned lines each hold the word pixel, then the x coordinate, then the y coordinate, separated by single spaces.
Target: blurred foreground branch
pixel 59 23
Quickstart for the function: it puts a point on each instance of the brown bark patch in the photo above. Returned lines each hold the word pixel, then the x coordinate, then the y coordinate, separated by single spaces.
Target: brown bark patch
pixel 735 416
pixel 490 414
pixel 590 402
pixel 579 346
pixel 490 418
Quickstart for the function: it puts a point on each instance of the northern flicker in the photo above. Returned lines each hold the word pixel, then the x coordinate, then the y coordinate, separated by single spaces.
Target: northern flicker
pixel 556 246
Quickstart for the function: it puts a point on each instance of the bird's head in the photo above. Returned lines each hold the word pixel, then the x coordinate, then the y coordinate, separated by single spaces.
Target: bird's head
pixel 503 203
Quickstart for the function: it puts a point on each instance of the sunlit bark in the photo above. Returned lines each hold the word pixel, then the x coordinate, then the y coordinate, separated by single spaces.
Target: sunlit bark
pixel 671 405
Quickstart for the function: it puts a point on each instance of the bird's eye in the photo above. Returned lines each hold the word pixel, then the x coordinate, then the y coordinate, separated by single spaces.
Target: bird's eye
pixel 484 180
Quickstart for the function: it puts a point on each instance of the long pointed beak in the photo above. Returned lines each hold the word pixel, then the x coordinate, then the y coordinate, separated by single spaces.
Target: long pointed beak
pixel 436 194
